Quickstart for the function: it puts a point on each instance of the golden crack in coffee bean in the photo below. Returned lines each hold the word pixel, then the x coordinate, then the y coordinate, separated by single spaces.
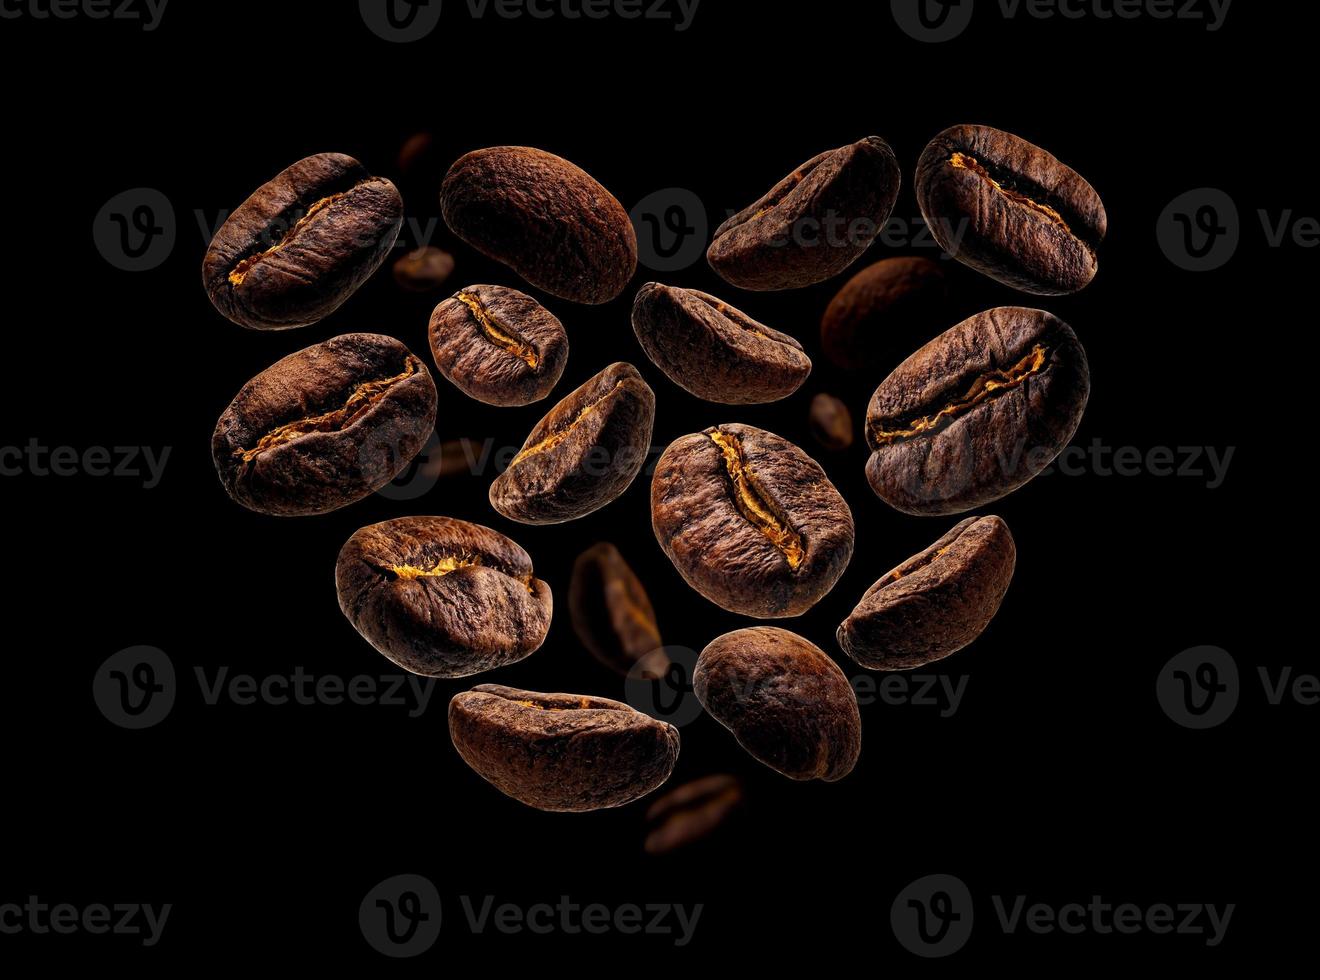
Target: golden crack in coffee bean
pixel 755 507
pixel 503 337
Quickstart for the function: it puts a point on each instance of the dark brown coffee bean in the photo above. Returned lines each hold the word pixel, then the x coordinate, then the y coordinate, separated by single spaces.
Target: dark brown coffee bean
pixel 977 412
pixel 548 220
pixel 612 614
pixel 417 156
pixel 814 223
pixel 583 454
pixel 564 752
pixel 692 812
pixel 714 351
pixel 936 602
pixel 750 521
pixel 325 427
pixel 831 423
pixel 442 597
pixel 498 345
pixel 424 269
pixel 1010 210
pixel 889 302
pixel 784 699
pixel 302 244
pixel 454 457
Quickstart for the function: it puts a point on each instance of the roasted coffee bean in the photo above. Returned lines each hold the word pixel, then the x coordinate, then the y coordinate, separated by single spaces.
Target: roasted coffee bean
pixel 750 521
pixel 417 156
pixel 714 351
pixel 889 302
pixel 548 220
pixel 692 812
pixel 325 427
pixel 977 412
pixel 442 597
pixel 583 454
pixel 784 699
pixel 498 345
pixel 302 244
pixel 424 269
pixel 831 423
pixel 1010 210
pixel 814 223
pixel 565 752
pixel 936 602
pixel 454 457
pixel 612 614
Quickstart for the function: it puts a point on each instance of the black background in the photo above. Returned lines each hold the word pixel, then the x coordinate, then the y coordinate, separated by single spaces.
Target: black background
pixel 1059 777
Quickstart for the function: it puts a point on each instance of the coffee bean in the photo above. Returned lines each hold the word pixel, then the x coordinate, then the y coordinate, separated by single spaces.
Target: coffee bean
pixel 424 269
pixel 417 156
pixel 692 812
pixel 977 412
pixel 612 614
pixel 814 223
pixel 325 427
pixel 831 423
pixel 302 244
pixel 452 458
pixel 750 521
pixel 548 220
pixel 714 351
pixel 1010 210
pixel 442 597
pixel 936 602
pixel 583 454
pixel 564 752
pixel 889 302
pixel 498 345
pixel 784 699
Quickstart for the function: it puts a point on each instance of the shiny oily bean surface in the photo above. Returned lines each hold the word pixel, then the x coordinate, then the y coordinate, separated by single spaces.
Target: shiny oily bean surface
pixel 750 521
pixel 442 597
pixel 788 704
pixel 302 244
pixel 613 616
pixel 547 219
pixel 715 351
pixel 498 345
pixel 583 454
pixel 977 412
pixel 1011 210
pixel 814 223
pixel 936 602
pixel 325 427
pixel 564 752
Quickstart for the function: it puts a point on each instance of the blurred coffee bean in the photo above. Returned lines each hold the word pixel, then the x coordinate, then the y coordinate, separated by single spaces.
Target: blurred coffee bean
pixel 831 423
pixel 692 812
pixel 612 614
pixel 424 269
pixel 882 310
